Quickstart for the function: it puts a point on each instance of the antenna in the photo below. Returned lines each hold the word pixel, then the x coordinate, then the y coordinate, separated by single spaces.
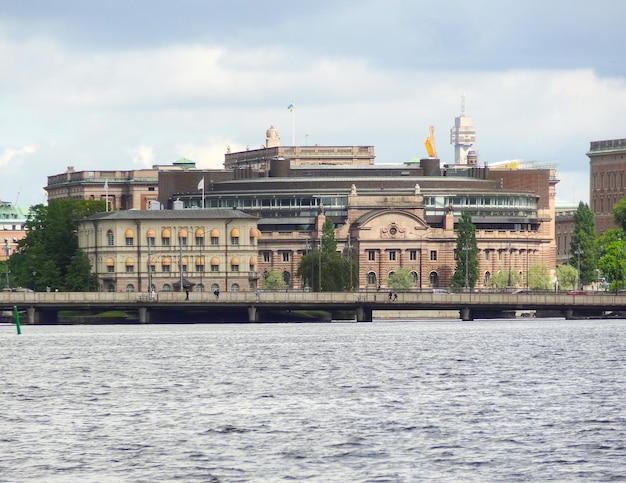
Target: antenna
pixel 17 198
pixel 463 105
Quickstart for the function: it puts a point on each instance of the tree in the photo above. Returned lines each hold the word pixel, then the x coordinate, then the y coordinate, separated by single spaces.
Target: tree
pixel 583 248
pixel 400 279
pixel 538 277
pixel 45 254
pixel 273 280
pixel 619 213
pixel 566 276
pixel 500 279
pixel 466 270
pixel 325 269
pixel 613 263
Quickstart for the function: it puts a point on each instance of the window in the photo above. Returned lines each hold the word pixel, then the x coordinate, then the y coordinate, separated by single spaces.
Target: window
pixel 183 241
pixel 267 256
pixel 184 267
pixel 234 268
pixel 165 241
pixel 165 268
pixel 199 268
pixel 371 255
pixel 234 287
pixel 433 279
pixel 392 256
pixel 414 278
pixel 130 269
pixel 111 269
pixel 215 241
pixel 110 239
pixel 371 278
pixel 130 287
pixel 200 241
pixel 285 256
pixel 129 241
pixel 215 268
pixel 487 254
pixel 234 240
pixel 433 255
pixel 412 254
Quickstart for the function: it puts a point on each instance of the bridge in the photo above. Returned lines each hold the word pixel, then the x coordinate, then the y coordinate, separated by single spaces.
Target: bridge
pixel 44 307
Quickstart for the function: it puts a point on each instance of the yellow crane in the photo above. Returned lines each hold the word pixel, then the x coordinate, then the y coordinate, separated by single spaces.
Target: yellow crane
pixel 430 143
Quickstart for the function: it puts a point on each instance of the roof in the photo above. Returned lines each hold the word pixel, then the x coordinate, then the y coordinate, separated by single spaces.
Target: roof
pixel 187 214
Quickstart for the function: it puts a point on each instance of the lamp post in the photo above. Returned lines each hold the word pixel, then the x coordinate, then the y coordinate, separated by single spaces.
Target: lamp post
pixel 149 266
pixel 510 281
pixel 34 279
pixel 578 252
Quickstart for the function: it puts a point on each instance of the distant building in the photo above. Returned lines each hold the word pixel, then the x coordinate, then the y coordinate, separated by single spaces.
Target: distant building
pixel 607 162
pixel 145 250
pixel 564 233
pixel 12 227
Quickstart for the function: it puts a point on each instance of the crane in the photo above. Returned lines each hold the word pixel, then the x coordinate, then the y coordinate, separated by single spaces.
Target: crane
pixel 430 143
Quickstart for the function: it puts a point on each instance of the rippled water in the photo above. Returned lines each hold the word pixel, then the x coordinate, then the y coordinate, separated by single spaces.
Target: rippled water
pixel 389 401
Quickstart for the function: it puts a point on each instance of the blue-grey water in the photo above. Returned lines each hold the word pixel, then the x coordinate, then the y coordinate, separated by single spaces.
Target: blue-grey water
pixel 392 401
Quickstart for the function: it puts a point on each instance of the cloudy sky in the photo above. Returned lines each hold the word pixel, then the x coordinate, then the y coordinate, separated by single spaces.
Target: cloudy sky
pixel 126 84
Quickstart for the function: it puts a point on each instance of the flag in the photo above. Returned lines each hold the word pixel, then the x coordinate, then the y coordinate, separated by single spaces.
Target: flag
pixel 106 185
pixel 201 184
pixel 291 106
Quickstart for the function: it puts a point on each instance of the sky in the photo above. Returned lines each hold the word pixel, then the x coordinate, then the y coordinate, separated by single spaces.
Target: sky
pixel 128 84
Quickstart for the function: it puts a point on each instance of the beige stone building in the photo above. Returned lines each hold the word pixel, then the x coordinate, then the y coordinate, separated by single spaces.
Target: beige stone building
pixel 162 250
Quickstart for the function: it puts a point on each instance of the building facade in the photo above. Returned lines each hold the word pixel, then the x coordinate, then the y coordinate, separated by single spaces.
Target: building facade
pixel 166 250
pixel 12 227
pixel 607 169
pixel 386 216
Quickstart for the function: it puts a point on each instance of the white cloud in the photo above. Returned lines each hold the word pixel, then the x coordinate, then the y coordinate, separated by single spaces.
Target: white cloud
pixel 143 156
pixel 12 157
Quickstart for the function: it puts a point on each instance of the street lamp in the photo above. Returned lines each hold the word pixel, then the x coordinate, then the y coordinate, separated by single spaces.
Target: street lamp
pixel 578 252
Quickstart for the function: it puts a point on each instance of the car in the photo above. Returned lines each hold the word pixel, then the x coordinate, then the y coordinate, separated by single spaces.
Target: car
pixel 576 292
pixel 522 291
pixel 439 290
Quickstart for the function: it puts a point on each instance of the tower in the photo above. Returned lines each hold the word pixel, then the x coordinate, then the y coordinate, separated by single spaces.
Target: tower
pixel 462 135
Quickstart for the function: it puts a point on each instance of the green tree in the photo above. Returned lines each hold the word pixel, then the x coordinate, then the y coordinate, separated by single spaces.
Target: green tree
pixel 466 270
pixel 273 280
pixel 500 279
pixel 45 254
pixel 400 279
pixel 538 276
pixel 619 213
pixel 566 276
pixel 583 248
pixel 325 269
pixel 613 263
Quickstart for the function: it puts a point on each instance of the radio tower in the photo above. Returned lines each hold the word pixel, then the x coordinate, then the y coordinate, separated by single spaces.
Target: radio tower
pixel 462 136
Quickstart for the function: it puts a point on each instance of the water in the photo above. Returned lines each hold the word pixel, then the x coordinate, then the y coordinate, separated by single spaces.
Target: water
pixel 532 400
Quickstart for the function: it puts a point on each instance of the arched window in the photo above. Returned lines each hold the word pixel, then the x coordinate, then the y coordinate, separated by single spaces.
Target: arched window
pixel 130 265
pixel 200 287
pixel 487 277
pixel 215 237
pixel 130 237
pixel 110 265
pixel 111 287
pixel 151 237
pixel 433 279
pixel 130 287
pixel 215 264
pixel 234 236
pixel 414 278
pixel 234 264
pixel 287 278
pixel 167 287
pixel 166 235
pixel 234 287
pixel 182 236
pixel 200 237
pixel 214 287
pixel 371 278
pixel 110 238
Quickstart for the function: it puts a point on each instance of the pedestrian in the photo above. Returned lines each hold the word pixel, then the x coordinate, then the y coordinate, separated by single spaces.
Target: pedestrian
pixel 186 294
pixel 216 292
pixel 258 294
pixel 390 296
pixel 395 297
pixel 153 295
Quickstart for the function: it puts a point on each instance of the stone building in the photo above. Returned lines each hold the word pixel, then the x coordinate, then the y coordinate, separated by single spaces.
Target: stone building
pixel 164 250
pixel 607 170
pixel 386 216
